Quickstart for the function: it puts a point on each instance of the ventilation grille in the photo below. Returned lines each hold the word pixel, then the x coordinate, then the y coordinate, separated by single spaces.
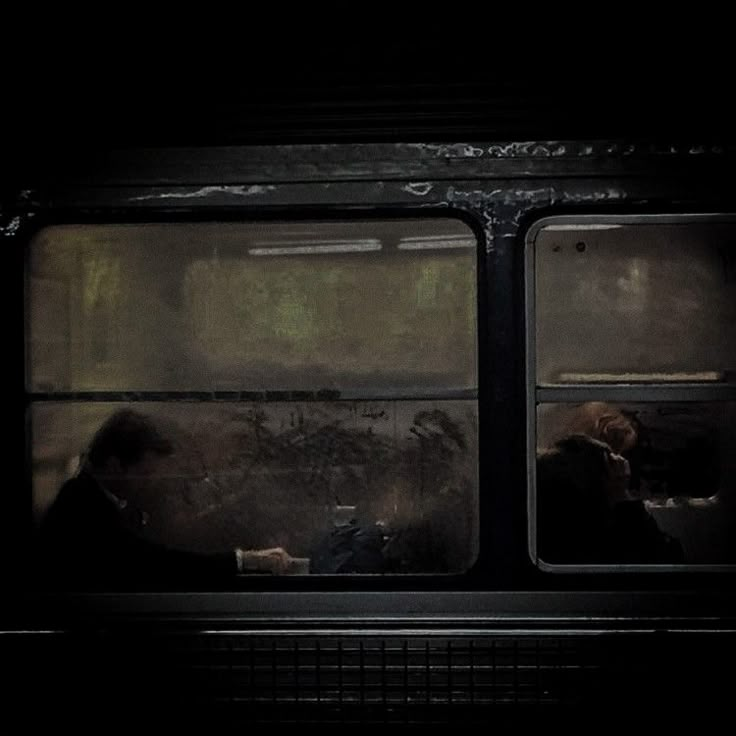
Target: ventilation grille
pixel 322 679
pixel 373 677
pixel 389 673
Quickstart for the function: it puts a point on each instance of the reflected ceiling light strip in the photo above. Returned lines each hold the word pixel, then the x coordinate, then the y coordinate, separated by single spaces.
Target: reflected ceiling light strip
pixel 314 241
pixel 361 246
pixel 436 242
pixel 599 226
pixel 658 377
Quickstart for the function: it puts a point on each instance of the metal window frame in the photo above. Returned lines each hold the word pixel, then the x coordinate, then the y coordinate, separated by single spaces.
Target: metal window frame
pixel 541 393
pixel 301 215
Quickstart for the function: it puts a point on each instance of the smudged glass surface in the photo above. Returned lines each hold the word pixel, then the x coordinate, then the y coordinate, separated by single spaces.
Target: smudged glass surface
pixel 368 328
pixel 365 307
pixel 635 302
pixel 287 474
pixel 682 467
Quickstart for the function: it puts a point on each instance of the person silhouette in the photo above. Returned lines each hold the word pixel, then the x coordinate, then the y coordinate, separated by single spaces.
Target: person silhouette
pixel 95 529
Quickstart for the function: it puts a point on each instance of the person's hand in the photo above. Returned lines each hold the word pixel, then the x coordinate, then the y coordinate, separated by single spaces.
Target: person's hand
pixel 619 477
pixel 274 560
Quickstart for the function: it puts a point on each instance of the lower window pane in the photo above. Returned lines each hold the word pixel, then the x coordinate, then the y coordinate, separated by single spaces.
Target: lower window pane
pixel 636 483
pixel 343 486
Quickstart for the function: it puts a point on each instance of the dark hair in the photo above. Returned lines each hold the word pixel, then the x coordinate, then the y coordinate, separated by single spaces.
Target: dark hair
pixel 573 515
pixel 575 465
pixel 127 435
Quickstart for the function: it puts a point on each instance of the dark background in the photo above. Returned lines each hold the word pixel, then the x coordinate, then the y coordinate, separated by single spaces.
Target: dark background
pixel 115 77
pixel 74 86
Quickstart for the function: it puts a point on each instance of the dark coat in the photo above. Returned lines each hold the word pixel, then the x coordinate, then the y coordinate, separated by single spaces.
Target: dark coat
pixel 83 538
pixel 577 533
pixel 577 525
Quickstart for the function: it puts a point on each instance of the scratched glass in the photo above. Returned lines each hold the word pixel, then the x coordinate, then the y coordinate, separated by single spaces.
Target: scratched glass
pixel 635 302
pixel 361 307
pixel 319 381
pixel 634 347
pixel 681 466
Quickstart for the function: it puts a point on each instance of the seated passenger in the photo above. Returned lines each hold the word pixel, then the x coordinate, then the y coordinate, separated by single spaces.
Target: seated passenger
pixel 94 530
pixel 585 514
pixel 603 422
pixel 351 547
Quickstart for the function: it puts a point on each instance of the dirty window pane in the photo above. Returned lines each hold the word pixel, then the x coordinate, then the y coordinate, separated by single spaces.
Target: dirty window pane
pixel 346 487
pixel 312 387
pixel 635 302
pixel 633 324
pixel 675 502
pixel 349 307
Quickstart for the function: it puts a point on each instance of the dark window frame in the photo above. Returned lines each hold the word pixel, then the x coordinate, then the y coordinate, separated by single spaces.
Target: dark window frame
pixel 470 579
pixel 568 393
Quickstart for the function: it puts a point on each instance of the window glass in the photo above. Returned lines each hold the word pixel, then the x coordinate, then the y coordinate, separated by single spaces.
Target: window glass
pixel 371 308
pixel 632 391
pixel 213 387
pixel 676 498
pixel 622 302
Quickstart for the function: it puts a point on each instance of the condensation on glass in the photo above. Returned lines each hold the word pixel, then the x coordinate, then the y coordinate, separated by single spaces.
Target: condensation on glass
pixel 633 345
pixel 379 307
pixel 312 376
pixel 627 302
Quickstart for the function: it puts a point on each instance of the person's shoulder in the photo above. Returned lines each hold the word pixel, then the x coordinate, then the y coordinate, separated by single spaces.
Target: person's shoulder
pixel 78 497
pixel 644 539
pixel 632 510
pixel 632 517
pixel 80 488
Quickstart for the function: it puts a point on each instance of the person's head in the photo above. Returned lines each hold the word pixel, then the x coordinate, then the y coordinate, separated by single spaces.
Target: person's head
pixel 603 422
pixel 585 470
pixel 126 452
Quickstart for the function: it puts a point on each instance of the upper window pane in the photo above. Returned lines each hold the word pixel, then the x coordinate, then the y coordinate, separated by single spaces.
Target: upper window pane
pixel 627 302
pixel 370 308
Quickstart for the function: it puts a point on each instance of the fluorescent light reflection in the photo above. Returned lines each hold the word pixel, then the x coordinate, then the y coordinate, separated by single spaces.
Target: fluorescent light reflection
pixel 558 228
pixel 316 247
pixel 436 242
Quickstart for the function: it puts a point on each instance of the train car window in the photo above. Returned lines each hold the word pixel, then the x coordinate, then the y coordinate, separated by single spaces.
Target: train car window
pixel 632 409
pixel 303 394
